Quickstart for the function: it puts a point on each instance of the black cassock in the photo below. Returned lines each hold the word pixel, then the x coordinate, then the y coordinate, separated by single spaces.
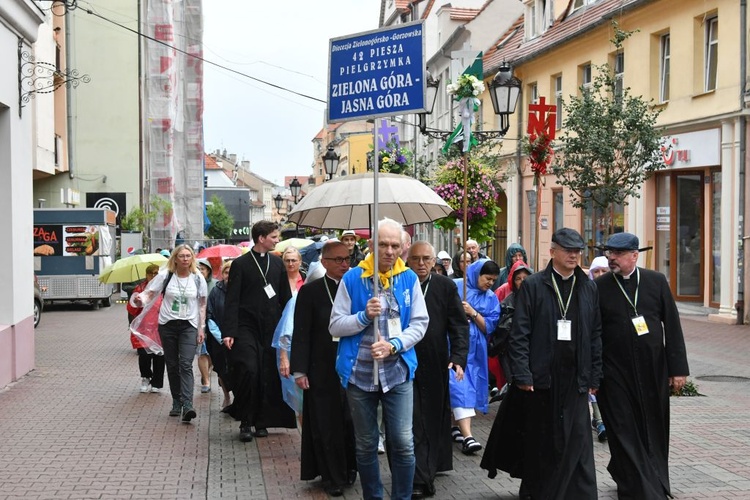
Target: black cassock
pixel 250 317
pixel 634 394
pixel 327 433
pixel 433 447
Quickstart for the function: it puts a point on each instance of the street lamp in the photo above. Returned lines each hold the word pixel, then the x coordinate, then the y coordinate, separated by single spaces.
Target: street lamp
pixel 504 92
pixel 295 187
pixel 331 162
pixel 278 201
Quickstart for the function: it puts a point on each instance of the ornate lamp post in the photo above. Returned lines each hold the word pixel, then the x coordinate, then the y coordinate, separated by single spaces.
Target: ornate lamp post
pixel 295 187
pixel 331 162
pixel 504 92
pixel 278 202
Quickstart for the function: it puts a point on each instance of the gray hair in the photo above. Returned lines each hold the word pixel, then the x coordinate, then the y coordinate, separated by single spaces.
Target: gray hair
pixel 425 243
pixel 386 222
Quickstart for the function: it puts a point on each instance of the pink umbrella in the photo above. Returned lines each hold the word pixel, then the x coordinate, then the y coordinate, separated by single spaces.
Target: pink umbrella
pixel 216 255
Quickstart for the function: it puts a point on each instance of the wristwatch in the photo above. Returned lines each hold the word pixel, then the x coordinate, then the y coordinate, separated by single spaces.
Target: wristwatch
pixel 474 316
pixel 394 350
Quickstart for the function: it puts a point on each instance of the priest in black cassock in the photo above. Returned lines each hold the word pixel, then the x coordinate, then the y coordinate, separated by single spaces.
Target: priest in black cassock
pixel 257 291
pixel 644 358
pixel 327 433
pixel 542 431
pixel 444 346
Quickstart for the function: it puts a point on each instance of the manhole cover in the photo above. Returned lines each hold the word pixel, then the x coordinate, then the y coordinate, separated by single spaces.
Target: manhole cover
pixel 723 378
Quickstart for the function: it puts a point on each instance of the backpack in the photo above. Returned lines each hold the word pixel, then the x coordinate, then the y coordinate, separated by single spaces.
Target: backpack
pixel 497 343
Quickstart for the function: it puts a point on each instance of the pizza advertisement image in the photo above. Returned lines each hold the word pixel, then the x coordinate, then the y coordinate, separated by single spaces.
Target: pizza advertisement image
pixel 48 240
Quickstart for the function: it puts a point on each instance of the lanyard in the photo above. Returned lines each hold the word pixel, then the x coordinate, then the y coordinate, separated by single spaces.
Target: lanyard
pixel 268 263
pixel 325 282
pixel 635 302
pixel 427 287
pixel 563 309
pixel 182 289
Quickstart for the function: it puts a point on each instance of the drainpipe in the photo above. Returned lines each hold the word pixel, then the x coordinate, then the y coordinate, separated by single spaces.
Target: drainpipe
pixel 520 194
pixel 68 94
pixel 743 145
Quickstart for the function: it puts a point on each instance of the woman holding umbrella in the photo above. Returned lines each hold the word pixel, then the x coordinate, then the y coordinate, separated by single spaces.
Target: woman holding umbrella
pixel 182 317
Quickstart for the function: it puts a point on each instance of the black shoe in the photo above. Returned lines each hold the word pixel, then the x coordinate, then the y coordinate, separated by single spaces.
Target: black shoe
pixel 470 446
pixel 417 491
pixel 246 434
pixel 188 414
pixel 176 409
pixel 261 433
pixel 351 477
pixel 334 491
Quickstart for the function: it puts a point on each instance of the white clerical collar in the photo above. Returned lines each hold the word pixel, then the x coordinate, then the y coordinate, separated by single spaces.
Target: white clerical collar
pixel 262 254
pixel 332 279
pixel 564 278
pixel 627 276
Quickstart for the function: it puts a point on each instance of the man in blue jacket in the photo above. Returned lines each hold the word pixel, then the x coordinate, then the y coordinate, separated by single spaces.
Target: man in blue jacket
pixel 377 367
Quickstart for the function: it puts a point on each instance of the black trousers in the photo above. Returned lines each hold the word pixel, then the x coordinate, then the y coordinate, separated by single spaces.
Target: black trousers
pixel 151 367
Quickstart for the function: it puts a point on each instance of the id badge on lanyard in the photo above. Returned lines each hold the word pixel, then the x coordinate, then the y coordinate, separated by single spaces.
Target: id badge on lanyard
pixel 563 330
pixel 639 322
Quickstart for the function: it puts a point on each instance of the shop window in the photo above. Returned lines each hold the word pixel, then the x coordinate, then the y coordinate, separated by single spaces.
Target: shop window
pixel 598 224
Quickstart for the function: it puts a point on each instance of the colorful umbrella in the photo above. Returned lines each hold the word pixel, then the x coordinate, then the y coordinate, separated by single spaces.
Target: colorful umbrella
pixel 131 268
pixel 217 254
pixel 293 242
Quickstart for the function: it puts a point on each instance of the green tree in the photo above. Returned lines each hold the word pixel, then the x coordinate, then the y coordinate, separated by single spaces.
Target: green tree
pixel 610 144
pixel 140 220
pixel 221 220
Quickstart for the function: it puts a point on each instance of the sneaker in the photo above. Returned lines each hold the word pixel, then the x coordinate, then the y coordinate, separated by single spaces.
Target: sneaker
pixel 205 388
pixel 470 446
pixel 155 389
pixel 176 409
pixel 188 413
pixel 381 447
pixel 145 384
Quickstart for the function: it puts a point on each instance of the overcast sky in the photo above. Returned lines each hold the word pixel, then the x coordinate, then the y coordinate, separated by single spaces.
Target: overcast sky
pixel 285 43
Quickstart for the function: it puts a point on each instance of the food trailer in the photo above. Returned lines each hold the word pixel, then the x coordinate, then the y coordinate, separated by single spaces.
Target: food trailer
pixel 71 248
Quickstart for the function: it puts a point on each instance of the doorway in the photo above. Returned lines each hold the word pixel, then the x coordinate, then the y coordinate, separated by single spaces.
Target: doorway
pixel 680 231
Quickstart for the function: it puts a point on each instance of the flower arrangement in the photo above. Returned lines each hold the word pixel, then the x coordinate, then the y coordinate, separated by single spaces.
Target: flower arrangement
pixel 538 147
pixel 394 159
pixel 465 86
pixel 483 189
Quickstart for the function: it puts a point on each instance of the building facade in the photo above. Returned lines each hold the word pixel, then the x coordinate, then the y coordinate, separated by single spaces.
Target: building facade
pixel 688 60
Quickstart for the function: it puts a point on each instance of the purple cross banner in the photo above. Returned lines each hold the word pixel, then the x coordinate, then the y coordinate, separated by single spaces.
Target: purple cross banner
pixel 377 73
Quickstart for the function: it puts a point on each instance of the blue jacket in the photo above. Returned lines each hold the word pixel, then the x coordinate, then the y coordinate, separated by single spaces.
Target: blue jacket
pixel 348 319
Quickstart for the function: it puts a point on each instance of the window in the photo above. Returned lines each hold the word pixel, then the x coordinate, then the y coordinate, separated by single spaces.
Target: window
pixel 538 17
pixel 619 74
pixel 711 52
pixel 558 102
pixel 586 78
pixel 664 68
pixel 557 209
pixel 533 93
pixel 577 4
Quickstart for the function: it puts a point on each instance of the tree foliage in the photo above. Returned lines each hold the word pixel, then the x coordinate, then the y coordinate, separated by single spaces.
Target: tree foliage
pixel 222 221
pixel 140 220
pixel 610 144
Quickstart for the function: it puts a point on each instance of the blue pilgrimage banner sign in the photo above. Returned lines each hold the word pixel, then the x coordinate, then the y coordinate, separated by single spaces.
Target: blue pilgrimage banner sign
pixel 377 73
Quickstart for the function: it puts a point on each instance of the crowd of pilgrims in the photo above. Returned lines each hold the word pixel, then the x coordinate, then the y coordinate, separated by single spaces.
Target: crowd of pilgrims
pixel 295 345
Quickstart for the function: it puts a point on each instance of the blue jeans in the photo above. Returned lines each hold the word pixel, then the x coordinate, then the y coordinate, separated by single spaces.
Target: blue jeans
pixel 398 407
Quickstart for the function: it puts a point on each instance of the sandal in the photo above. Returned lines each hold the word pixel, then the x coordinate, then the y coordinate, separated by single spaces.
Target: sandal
pixel 470 446
pixel 456 435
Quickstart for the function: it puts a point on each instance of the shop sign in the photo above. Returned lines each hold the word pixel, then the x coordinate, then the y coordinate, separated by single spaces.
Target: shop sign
pixel 692 149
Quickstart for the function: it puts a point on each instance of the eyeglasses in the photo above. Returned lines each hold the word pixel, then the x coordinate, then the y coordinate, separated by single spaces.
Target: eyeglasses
pixel 290 261
pixel 417 258
pixel 337 260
